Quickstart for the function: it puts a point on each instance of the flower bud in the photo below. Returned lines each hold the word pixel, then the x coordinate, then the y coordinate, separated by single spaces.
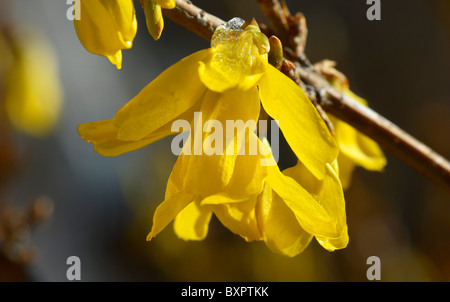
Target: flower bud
pixel 276 52
pixel 154 18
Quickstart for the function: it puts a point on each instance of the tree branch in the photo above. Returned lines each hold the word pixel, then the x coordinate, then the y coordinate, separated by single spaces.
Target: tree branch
pixel 390 137
pixel 193 18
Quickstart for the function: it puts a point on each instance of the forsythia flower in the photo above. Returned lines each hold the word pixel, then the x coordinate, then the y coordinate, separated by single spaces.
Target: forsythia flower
pixel 247 192
pixel 356 149
pixel 32 97
pixel 285 210
pixel 153 15
pixel 106 27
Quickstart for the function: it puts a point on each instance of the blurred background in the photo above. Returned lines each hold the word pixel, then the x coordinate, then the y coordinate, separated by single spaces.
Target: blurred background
pixel 58 198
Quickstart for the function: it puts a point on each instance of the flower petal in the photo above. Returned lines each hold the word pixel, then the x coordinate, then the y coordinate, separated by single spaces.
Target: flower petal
pixel 310 213
pixel 107 27
pixel 346 168
pixel 282 232
pixel 377 161
pixel 104 135
pixel 168 210
pixel 239 218
pixel 332 244
pixel 124 17
pixel 206 175
pixel 328 192
pixel 169 4
pixel 358 147
pixel 248 177
pixel 173 92
pixel 303 128
pixel 192 222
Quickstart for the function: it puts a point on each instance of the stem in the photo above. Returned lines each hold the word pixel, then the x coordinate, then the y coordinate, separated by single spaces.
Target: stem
pixel 274 13
pixel 193 19
pixel 390 137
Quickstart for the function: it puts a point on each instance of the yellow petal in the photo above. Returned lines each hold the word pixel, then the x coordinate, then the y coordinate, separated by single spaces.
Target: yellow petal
pixel 192 222
pixel 173 92
pixel 233 63
pixel 249 175
pixel 377 161
pixel 332 244
pixel 107 27
pixel 167 211
pixel 303 128
pixel 310 213
pixel 104 135
pixel 154 19
pixel 358 147
pixel 346 168
pixel 282 232
pixel 206 175
pixel 169 4
pixel 239 218
pixel 115 58
pixel 328 192
pixel 220 198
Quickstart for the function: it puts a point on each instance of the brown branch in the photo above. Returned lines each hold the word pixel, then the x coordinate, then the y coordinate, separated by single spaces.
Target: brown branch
pixel 193 18
pixel 390 137
pixel 275 14
pixel 291 30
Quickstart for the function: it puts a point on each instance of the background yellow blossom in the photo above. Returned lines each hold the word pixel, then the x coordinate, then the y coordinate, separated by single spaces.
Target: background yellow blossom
pixel 32 88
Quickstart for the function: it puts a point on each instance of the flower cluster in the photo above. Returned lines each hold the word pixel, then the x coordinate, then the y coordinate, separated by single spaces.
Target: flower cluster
pixel 248 193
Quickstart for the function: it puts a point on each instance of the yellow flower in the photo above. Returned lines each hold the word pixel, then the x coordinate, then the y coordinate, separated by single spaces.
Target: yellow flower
pixel 229 82
pixel 107 27
pixel 233 69
pixel 33 96
pixel 356 149
pixel 284 210
pixel 153 15
pixel 225 185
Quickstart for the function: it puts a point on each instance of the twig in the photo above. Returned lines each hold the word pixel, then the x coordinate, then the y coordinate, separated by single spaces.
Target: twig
pixel 275 14
pixel 390 137
pixel 193 18
pixel 291 30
